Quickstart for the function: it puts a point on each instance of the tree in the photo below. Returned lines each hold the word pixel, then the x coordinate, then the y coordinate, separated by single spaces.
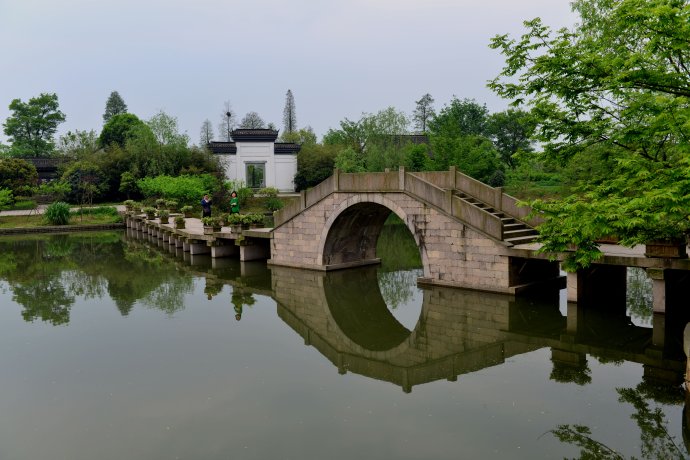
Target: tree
pixel 252 120
pixel 113 106
pixel 618 79
pixel 511 132
pixel 289 114
pixel 78 144
pixel 32 125
pixel 227 122
pixel 165 129
pixel 206 134
pixel 302 136
pixel 460 118
pixel 315 162
pixel 423 112
pixel 118 129
pixel 18 175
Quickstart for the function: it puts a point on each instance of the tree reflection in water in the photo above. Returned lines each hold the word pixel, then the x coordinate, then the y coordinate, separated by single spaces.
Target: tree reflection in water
pixel 639 295
pixel 400 262
pixel 656 442
pixel 57 269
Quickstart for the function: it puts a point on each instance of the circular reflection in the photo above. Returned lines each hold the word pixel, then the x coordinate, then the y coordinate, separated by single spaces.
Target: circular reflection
pixel 359 310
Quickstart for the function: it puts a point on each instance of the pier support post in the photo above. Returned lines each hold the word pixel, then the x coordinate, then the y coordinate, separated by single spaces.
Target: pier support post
pixel 603 285
pixel 197 247
pixel 223 250
pixel 254 252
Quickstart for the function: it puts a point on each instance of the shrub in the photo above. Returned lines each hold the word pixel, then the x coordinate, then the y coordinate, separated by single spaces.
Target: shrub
pixel 24 204
pixel 171 204
pixel 160 203
pixel 98 211
pixel 57 213
pixel 235 219
pixel 5 198
pixel 269 192
pixel 183 189
pixel 212 221
pixel 273 204
pixel 18 175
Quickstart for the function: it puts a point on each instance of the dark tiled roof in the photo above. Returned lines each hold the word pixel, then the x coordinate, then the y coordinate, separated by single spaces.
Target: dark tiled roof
pixel 222 148
pixel 254 135
pixel 285 148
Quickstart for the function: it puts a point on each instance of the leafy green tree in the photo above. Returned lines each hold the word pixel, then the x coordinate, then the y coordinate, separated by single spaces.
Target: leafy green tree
pixel 119 129
pixel 33 124
pixel 86 180
pixel 351 134
pixel 78 144
pixel 511 132
pixel 115 105
pixel 252 120
pixel 303 136
pixel 315 162
pixel 423 112
pixel 166 131
pixel 618 79
pixel 417 157
pixel 460 118
pixel 289 113
pixel 18 175
pixel 6 198
pixel 350 161
pixel 473 155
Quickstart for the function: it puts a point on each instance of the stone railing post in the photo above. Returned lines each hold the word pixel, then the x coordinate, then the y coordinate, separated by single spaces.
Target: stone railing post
pixel 449 201
pixel 401 177
pixel 498 198
pixel 336 179
pixel 453 177
pixel 303 200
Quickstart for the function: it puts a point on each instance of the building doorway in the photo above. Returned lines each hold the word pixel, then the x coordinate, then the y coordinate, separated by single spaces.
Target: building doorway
pixel 256 175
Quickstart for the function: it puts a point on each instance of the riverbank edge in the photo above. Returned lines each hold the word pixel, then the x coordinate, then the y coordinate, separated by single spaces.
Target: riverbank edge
pixel 61 229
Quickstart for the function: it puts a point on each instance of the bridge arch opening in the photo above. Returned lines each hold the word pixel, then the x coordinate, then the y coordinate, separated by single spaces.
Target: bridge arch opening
pixel 353 234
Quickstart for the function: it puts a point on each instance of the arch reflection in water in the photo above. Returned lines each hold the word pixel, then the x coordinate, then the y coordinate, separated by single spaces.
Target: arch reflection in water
pixel 343 315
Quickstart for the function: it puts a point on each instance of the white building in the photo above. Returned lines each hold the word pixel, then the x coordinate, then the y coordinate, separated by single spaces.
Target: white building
pixel 256 158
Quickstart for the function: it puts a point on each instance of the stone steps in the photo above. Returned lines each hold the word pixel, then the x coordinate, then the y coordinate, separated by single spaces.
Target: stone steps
pixel 514 231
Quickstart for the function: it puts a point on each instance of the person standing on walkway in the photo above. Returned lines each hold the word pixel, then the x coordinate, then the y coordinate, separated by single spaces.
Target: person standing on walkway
pixel 206 206
pixel 234 203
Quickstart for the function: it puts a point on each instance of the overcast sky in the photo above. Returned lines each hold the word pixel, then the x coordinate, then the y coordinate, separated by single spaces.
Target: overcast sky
pixel 186 57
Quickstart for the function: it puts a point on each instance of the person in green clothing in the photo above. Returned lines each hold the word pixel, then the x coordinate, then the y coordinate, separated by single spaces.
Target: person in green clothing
pixel 234 203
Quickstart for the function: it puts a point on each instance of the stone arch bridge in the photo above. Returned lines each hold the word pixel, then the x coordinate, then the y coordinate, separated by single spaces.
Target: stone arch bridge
pixel 464 229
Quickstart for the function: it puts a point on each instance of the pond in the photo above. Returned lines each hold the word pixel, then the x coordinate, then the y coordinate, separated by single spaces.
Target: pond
pixel 114 346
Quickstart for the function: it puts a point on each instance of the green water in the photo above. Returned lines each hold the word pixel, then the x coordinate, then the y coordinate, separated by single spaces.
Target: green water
pixel 116 346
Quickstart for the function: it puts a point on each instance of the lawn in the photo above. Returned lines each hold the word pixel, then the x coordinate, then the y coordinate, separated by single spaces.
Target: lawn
pixel 38 221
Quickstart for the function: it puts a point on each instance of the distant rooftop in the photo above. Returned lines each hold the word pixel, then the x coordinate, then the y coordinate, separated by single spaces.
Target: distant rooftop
pixel 254 135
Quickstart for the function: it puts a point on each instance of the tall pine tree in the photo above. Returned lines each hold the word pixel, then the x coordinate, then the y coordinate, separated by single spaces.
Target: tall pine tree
pixel 115 105
pixel 289 114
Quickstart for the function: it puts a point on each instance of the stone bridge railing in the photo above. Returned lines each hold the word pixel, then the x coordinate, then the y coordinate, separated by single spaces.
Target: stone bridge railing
pixel 435 188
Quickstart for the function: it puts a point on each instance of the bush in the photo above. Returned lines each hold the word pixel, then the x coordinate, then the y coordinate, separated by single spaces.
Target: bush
pixel 183 189
pixel 98 211
pixel 273 204
pixel 269 192
pixel 57 213
pixel 24 204
pixel 18 175
pixel 5 198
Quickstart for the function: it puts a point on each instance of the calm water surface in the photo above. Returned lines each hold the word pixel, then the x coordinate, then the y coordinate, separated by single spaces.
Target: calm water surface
pixel 116 347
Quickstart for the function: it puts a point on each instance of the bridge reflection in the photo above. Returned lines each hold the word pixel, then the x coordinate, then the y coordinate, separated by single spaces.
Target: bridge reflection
pixel 344 316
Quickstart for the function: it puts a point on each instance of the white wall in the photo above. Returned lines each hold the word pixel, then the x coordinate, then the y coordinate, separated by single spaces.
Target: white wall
pixel 280 170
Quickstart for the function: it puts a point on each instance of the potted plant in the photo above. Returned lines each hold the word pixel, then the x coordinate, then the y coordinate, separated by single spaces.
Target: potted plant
pixel 255 220
pixel 211 224
pixel 150 212
pixel 160 203
pixel 130 205
pixel 235 221
pixel 163 216
pixel 171 205
pixel 179 222
pixel 187 211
